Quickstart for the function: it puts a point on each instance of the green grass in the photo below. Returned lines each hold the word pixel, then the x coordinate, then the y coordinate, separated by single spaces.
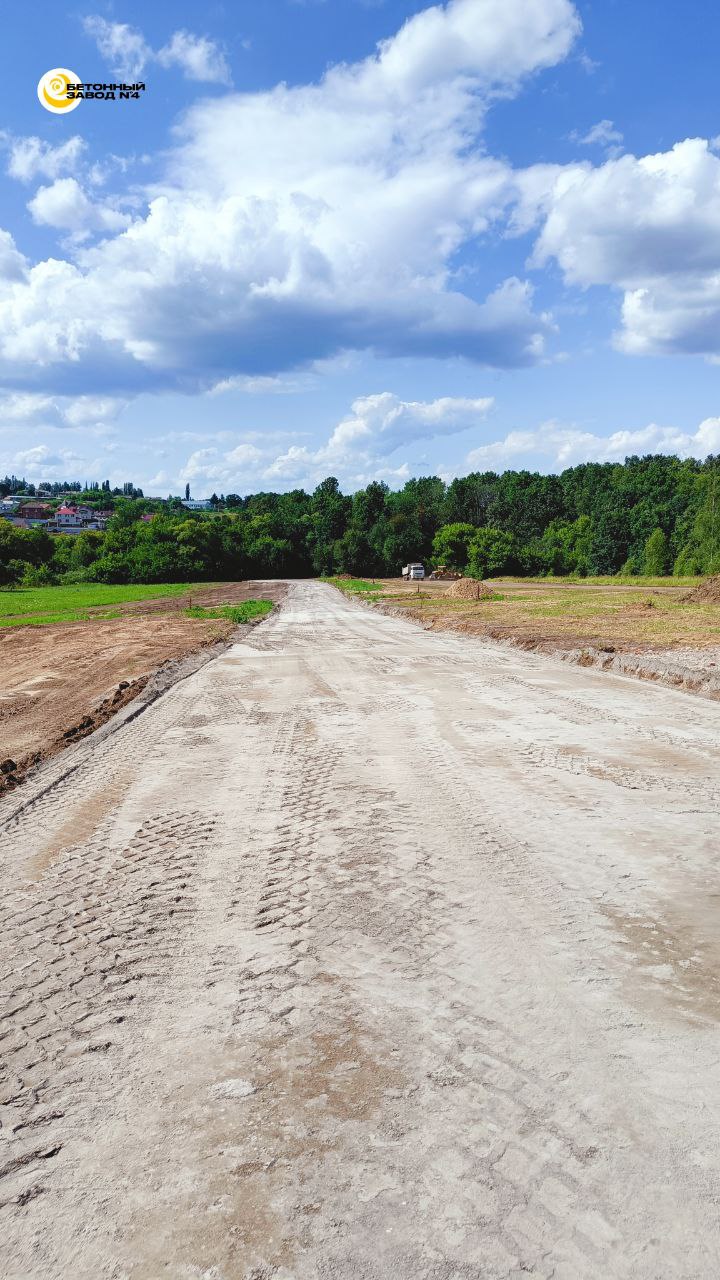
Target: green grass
pixel 235 612
pixel 67 604
pixel 46 619
pixel 354 586
pixel 622 580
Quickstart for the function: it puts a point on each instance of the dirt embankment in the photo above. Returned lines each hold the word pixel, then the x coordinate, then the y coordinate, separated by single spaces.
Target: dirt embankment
pixel 59 683
pixel 708 592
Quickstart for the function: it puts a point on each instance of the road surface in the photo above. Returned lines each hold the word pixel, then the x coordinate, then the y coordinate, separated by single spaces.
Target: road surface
pixel 367 952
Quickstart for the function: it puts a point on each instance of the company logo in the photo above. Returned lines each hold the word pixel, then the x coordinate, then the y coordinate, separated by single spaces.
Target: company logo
pixel 60 90
pixel 53 90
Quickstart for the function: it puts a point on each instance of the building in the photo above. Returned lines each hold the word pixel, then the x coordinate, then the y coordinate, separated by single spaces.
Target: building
pixel 34 513
pixel 197 504
pixel 67 515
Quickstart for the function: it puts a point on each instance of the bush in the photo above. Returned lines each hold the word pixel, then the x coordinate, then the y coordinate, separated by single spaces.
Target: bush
pixel 39 575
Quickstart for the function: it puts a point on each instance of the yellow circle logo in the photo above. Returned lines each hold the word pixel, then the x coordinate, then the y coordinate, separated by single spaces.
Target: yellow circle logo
pixel 53 90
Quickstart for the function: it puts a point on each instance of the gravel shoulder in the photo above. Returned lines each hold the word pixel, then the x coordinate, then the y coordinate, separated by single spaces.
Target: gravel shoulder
pixel 366 951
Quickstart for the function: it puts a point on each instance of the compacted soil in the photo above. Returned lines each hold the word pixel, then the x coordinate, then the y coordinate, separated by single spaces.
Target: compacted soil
pixel 366 952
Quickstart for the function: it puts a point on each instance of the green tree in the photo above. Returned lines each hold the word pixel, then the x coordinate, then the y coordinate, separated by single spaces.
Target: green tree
pixel 700 547
pixel 491 552
pixel 329 511
pixel 451 545
pixel 565 546
pixel 656 554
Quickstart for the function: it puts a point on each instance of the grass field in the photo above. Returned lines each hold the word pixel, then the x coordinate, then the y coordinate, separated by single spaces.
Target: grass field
pixel 609 580
pixel 238 613
pixel 39 606
pixel 354 586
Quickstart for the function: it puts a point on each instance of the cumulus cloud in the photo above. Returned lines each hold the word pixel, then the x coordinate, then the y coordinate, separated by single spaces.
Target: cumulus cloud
pixel 382 423
pixel 13 266
pixel 564 446
pixel 40 460
pixel 65 205
pixel 376 427
pixel 300 222
pixel 198 58
pixel 651 228
pixel 34 409
pixel 128 53
pixel 32 158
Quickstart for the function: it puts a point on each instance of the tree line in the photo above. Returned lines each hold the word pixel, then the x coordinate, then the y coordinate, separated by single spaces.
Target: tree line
pixel 650 515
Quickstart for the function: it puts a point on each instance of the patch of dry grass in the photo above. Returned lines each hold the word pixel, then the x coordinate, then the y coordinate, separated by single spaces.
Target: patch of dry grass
pixel 537 612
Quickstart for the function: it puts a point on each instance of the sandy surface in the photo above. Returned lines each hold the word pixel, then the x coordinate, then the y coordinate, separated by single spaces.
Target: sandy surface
pixel 66 677
pixel 367 952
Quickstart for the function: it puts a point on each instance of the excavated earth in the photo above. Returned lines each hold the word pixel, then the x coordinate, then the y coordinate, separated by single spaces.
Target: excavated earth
pixel 366 952
pixel 59 683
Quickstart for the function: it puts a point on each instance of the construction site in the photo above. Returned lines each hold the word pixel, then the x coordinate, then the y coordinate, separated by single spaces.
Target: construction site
pixel 362 949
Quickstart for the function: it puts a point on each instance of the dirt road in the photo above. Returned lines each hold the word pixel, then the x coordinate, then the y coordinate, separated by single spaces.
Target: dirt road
pixel 367 952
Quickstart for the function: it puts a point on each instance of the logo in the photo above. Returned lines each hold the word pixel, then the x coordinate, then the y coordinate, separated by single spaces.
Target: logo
pixel 53 90
pixel 60 90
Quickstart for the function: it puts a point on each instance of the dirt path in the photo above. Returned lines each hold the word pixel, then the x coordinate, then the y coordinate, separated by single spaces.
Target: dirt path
pixel 367 952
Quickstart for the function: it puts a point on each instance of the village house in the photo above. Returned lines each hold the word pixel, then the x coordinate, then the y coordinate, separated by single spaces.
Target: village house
pixel 74 520
pixel 33 513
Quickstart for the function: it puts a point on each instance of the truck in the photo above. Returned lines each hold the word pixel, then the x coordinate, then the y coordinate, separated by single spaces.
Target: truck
pixel 413 572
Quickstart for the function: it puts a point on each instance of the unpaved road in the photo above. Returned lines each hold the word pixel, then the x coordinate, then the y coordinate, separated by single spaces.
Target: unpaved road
pixel 367 952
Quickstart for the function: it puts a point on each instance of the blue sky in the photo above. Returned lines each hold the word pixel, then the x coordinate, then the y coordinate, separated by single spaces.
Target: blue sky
pixel 361 238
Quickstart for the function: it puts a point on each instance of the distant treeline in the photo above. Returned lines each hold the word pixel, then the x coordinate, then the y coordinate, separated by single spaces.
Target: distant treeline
pixel 650 515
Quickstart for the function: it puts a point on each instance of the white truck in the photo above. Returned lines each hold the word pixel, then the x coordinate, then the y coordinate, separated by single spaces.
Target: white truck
pixel 413 572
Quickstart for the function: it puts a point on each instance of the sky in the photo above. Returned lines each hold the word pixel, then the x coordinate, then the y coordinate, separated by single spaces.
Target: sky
pixel 372 239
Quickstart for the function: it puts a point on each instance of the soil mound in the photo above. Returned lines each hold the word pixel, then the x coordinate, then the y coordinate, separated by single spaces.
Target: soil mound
pixel 707 593
pixel 469 589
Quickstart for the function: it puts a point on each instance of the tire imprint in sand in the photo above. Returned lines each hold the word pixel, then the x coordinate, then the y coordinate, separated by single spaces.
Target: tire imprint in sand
pixel 80 954
pixel 358 909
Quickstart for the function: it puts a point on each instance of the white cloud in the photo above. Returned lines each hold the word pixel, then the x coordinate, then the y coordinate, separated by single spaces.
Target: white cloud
pixel 376 427
pixel 13 266
pixel 565 446
pixel 83 411
pixel 383 423
pixel 124 48
pixel 32 158
pixel 198 57
pixel 64 204
pixel 40 460
pixel 603 134
pixel 651 228
pixel 93 413
pixel 280 386
pixel 213 468
pixel 128 53
pixel 302 222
